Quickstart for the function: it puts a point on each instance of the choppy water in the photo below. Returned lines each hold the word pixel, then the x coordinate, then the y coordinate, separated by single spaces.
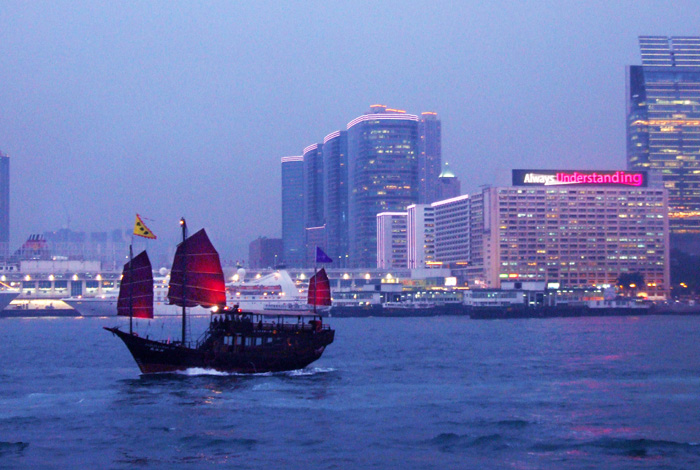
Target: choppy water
pixel 434 393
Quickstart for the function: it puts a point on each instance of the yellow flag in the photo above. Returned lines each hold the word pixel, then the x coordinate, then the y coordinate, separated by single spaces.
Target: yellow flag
pixel 141 230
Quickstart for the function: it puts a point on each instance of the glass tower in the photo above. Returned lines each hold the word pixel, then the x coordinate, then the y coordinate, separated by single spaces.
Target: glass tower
pixel 663 122
pixel 335 188
pixel 383 148
pixel 293 236
pixel 429 158
pixel 313 185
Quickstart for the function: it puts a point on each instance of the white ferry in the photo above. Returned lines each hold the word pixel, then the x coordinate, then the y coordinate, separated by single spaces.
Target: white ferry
pixel 273 293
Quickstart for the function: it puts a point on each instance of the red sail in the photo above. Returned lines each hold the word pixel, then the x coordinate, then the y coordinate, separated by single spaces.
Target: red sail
pixel 320 289
pixel 197 263
pixel 136 291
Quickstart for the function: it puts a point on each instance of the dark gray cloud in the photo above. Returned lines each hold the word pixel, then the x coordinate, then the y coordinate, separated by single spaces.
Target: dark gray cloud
pixel 184 108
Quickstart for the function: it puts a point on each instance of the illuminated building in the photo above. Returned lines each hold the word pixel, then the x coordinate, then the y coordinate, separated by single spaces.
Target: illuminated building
pixel 429 157
pixel 293 236
pixel 391 240
pixel 663 122
pixel 576 229
pixel 447 185
pixel 313 186
pixel 383 175
pixel 420 236
pixel 374 166
pixel 335 189
pixel 452 229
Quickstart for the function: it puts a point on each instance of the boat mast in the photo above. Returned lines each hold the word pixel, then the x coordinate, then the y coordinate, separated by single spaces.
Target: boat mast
pixel 131 288
pixel 315 281
pixel 183 224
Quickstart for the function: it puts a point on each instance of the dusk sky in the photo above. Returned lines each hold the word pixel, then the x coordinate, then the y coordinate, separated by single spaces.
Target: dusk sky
pixel 185 108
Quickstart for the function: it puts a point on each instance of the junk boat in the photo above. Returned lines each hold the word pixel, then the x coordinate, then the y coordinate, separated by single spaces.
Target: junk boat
pixel 235 341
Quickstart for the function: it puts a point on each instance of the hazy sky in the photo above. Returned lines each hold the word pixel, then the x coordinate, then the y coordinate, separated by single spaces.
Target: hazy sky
pixel 185 108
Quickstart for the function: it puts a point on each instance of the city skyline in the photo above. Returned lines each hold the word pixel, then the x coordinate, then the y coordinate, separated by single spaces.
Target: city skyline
pixel 182 109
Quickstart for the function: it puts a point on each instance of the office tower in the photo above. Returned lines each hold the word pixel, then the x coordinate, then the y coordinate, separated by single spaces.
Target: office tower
pixel 314 237
pixel 448 185
pixel 663 122
pixel 313 186
pixel 335 190
pixel 391 240
pixel 575 229
pixel 429 157
pixel 4 206
pixel 383 175
pixel 420 236
pixel 265 252
pixel 293 235
pixel 452 231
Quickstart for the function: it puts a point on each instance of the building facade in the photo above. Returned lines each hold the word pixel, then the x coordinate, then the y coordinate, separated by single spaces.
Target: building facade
pixel 663 122
pixel 429 157
pixel 575 229
pixel 420 236
pixel 452 231
pixel 315 237
pixel 391 240
pixel 448 185
pixel 335 189
pixel 383 147
pixel 265 252
pixel 313 186
pixel 293 234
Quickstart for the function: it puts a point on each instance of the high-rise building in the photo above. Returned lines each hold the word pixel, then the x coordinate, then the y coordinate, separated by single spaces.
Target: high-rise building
pixel 575 229
pixel 313 186
pixel 265 252
pixel 383 147
pixel 374 166
pixel 429 157
pixel 391 240
pixel 452 231
pixel 293 235
pixel 448 185
pixel 4 206
pixel 663 122
pixel 420 236
pixel 315 237
pixel 335 190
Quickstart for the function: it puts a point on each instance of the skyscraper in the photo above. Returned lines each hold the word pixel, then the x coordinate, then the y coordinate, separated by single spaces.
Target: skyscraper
pixel 293 235
pixel 391 240
pixel 335 189
pixel 663 122
pixel 420 236
pixel 313 186
pixel 429 157
pixel 383 148
pixel 448 185
pixel 4 206
pixel 265 252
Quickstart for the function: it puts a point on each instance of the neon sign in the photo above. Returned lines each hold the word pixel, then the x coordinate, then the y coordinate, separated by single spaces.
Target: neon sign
pixel 573 177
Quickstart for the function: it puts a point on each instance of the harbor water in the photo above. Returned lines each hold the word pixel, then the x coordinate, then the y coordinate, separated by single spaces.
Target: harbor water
pixel 408 393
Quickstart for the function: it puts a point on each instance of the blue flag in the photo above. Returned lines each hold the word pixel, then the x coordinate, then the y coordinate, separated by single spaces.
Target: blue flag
pixel 321 257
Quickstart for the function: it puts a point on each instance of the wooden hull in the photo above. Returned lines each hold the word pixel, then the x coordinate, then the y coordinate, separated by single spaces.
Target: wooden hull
pixel 288 352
